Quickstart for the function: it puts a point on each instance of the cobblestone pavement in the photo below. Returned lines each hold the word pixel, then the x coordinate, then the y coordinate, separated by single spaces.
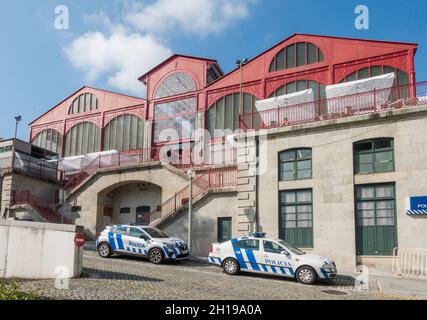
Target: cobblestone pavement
pixel 132 278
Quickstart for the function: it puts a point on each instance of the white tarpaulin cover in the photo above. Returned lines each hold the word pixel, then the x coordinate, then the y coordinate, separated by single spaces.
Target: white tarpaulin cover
pixel 74 164
pixel 304 111
pixel 359 86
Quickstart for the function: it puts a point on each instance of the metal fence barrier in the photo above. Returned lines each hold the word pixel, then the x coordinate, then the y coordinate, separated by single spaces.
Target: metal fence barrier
pixel 411 263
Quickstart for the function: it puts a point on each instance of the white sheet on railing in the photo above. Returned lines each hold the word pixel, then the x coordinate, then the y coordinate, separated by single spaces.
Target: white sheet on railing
pixel 305 111
pixel 72 165
pixel 359 86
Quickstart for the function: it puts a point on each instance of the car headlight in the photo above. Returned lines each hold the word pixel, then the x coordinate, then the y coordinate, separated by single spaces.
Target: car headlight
pixel 329 266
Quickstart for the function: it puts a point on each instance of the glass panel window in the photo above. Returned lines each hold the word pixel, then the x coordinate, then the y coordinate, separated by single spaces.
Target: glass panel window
pixel 311 58
pixel 179 116
pixel 135 232
pixel 301 54
pixel 250 244
pixel 290 56
pixel 81 139
pixel 272 247
pixel 224 229
pixel 374 156
pixel 174 84
pixel 280 60
pixel 363 73
pixel 124 133
pixel 83 103
pixel 295 164
pixel 375 219
pixel 296 217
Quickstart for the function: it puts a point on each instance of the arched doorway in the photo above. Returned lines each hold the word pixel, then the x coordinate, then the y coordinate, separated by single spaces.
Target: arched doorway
pixel 130 203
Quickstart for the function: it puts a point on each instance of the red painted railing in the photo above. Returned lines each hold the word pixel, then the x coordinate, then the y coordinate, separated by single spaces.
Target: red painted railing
pixel 340 107
pixel 26 197
pixel 128 158
pixel 211 179
pixel 105 161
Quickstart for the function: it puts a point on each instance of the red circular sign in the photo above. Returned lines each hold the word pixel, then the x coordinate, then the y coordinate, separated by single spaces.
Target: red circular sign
pixel 79 240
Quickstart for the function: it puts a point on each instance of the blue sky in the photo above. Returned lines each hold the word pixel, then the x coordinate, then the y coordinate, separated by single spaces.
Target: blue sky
pixel 109 40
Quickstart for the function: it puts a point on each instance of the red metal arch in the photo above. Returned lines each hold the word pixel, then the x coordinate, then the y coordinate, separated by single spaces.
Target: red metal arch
pixel 285 45
pixel 255 90
pixel 274 85
pixel 395 62
pixel 71 124
pixel 78 97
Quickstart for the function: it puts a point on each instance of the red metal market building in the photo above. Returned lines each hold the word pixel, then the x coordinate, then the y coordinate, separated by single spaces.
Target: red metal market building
pixel 334 153
pixel 183 86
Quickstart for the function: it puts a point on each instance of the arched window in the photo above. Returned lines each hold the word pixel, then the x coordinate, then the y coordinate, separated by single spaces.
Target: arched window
pixel 296 55
pixel 295 164
pixel 126 132
pixel 402 78
pixel 48 139
pixel 82 139
pixel 174 84
pixel 84 103
pixel 224 114
pixel 374 156
pixel 300 85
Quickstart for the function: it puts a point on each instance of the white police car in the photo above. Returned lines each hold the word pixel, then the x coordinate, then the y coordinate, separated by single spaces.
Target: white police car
pixel 264 255
pixel 140 241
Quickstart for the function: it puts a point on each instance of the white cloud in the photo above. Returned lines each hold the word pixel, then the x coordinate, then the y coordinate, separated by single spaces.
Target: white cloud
pixel 123 56
pixel 200 17
pixel 131 47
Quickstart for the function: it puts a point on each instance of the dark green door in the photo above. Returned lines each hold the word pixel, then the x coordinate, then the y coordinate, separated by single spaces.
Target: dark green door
pixel 224 229
pixel 296 217
pixel 376 232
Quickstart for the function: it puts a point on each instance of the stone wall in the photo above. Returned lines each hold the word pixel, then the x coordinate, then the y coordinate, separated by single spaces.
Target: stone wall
pixel 204 221
pixel 333 179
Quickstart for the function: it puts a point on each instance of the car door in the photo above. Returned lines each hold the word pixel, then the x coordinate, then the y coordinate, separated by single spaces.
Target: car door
pixel 248 254
pixel 116 238
pixel 276 259
pixel 136 241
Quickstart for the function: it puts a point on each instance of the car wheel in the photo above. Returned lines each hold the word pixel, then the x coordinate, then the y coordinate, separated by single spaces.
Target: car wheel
pixel 231 266
pixel 306 275
pixel 155 256
pixel 104 250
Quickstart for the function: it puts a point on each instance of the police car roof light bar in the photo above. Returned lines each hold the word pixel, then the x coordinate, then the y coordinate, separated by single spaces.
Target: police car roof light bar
pixel 259 235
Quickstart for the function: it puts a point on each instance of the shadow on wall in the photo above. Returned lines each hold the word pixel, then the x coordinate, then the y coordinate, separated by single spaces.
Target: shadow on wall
pixel 204 224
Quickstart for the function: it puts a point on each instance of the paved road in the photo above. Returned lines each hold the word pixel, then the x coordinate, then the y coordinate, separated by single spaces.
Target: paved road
pixel 131 278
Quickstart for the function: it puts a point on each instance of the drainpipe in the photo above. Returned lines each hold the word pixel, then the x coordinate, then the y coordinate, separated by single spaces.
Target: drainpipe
pixel 256 185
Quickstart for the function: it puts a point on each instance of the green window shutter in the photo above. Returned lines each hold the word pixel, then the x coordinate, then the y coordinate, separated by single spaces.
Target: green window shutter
pixel 296 217
pixel 376 230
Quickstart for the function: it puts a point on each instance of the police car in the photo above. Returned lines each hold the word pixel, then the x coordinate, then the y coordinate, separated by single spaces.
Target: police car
pixel 141 241
pixel 264 255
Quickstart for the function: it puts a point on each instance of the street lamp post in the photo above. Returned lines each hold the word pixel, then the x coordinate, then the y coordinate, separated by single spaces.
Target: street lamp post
pixel 190 174
pixel 241 63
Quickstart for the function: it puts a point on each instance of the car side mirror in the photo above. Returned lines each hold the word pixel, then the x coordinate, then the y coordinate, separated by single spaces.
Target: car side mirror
pixel 286 253
pixel 143 237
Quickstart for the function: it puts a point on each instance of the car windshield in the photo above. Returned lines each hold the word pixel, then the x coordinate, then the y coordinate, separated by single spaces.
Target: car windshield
pixel 156 233
pixel 291 247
